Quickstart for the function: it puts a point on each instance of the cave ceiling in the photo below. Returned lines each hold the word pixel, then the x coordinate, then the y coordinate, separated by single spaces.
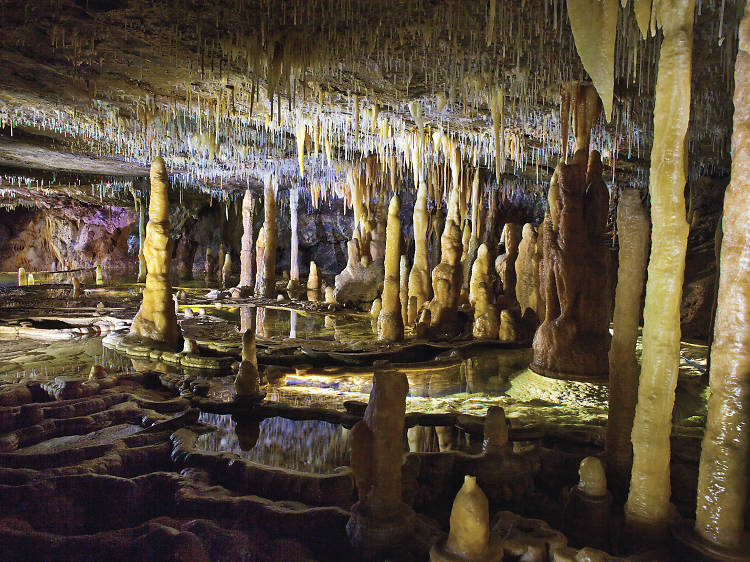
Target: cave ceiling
pixel 92 90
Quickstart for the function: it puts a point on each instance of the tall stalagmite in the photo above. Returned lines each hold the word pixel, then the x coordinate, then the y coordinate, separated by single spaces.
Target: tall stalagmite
pixel 633 233
pixel 294 257
pixel 390 323
pixel 725 457
pixel 527 271
pixel 265 284
pixel 247 273
pixel 419 277
pixel 647 509
pixel 156 318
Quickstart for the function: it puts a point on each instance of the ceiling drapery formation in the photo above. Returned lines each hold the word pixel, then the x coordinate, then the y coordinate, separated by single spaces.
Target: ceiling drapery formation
pixel 228 90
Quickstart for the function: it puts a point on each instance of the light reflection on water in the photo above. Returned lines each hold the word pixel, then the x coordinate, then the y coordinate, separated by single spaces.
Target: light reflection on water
pixel 303 445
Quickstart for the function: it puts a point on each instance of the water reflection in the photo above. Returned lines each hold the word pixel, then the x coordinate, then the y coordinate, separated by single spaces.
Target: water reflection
pixel 304 445
pixel 281 323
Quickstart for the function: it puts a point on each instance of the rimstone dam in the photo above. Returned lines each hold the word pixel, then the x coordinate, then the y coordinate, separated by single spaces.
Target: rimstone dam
pixel 375 280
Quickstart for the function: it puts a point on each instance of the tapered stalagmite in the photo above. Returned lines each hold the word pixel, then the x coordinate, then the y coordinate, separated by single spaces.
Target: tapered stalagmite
pixel 265 284
pixel 512 235
pixel 404 286
pixel 486 319
pixel 156 319
pixel 247 273
pixel 633 233
pixel 380 518
pixel 527 271
pixel 469 537
pixel 294 257
pixel 313 282
pixel 390 323
pixel 140 209
pixel 573 339
pixel 226 270
pixel 725 456
pixel 419 277
pixel 647 508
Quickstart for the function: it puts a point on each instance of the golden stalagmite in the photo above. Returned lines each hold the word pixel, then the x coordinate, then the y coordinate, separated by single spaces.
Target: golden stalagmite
pixel 512 235
pixel 486 320
pixel 226 271
pixel 404 287
pixel 156 319
pixel 265 284
pixel 446 283
pixel 294 242
pixel 419 276
pixel 725 456
pixel 390 323
pixel 469 537
pixel 247 273
pixel 633 233
pixel 313 281
pixel 647 509
pixel 527 271
pixel 21 276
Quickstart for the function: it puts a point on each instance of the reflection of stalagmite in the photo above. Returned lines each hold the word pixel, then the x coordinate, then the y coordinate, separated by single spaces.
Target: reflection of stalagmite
pixel 419 277
pixel 725 457
pixel 496 431
pixel 266 279
pixel 469 537
pixel 380 519
pixel 156 318
pixel 633 233
pixel 527 271
pixel 247 382
pixel 573 339
pixel 647 509
pixel 390 323
pixel 247 277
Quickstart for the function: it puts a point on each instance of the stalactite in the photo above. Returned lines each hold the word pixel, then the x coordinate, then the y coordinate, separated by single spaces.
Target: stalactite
pixel 647 508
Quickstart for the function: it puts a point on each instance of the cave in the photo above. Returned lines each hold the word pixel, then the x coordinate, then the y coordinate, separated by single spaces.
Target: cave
pixel 374 280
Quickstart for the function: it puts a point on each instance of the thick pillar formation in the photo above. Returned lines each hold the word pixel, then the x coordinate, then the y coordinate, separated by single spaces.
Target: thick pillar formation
pixel 725 456
pixel 156 319
pixel 486 319
pixel 512 235
pixel 380 519
pixel 419 277
pixel 527 271
pixel 633 233
pixel 647 509
pixel 294 256
pixel 469 537
pixel 247 273
pixel 446 284
pixel 265 285
pixel 390 323
pixel 573 339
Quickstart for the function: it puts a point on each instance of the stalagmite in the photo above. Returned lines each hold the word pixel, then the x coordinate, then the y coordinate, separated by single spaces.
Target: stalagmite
pixel 30 279
pixel 573 339
pixel 99 275
pixel 508 332
pixel 647 509
pixel 512 235
pixel 265 284
pixel 247 382
pixel 390 323
pixel 527 271
pixel 725 455
pixel 446 284
pixel 586 516
pixel 469 537
pixel 77 290
pixel 226 270
pixel 142 265
pixel 21 277
pixel 313 282
pixel 486 321
pixel 419 276
pixel 156 318
pixel 404 287
pixel 220 260
pixel 496 431
pixel 209 266
pixel 247 273
pixel 380 519
pixel 294 256
pixel 633 233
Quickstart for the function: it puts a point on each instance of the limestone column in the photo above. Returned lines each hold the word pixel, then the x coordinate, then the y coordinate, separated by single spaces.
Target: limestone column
pixel 380 519
pixel 633 233
pixel 390 323
pixel 647 509
pixel 419 277
pixel 294 257
pixel 156 318
pixel 725 456
pixel 247 275
pixel 266 282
